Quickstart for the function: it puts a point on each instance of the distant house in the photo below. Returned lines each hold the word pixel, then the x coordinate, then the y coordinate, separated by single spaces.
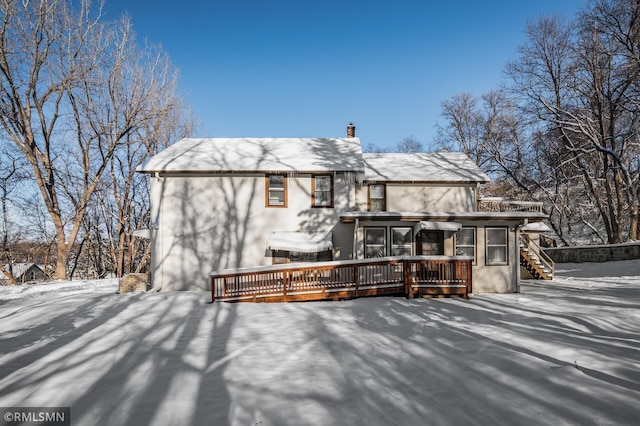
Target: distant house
pixel 240 202
pixel 25 272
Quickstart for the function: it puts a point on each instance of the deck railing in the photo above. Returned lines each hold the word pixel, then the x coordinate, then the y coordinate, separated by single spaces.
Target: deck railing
pixel 403 275
pixel 498 204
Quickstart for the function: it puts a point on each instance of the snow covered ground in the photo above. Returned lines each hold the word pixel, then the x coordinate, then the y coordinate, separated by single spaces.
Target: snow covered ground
pixel 565 352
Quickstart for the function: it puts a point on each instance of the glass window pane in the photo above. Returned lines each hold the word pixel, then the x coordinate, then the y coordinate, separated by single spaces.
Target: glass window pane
pixel 322 198
pixel 323 183
pixel 401 251
pixel 376 191
pixel 374 251
pixel 276 181
pixel 465 251
pixel 377 205
pixel 276 198
pixel 432 236
pixel 401 236
pixel 496 254
pixel 465 237
pixel 496 236
pixel 375 236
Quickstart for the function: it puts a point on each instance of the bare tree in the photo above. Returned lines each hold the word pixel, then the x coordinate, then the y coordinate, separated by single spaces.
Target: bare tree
pixel 373 148
pixel 74 89
pixel 580 81
pixel 10 177
pixel 490 131
pixel 409 145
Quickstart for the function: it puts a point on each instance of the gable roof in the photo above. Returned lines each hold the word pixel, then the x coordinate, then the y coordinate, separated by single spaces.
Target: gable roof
pixel 258 155
pixel 19 269
pixel 422 167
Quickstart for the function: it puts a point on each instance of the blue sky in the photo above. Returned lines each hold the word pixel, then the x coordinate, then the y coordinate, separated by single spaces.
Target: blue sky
pixel 271 68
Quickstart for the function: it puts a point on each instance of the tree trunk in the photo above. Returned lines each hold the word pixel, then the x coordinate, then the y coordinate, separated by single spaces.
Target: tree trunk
pixel 633 231
pixel 62 256
pixel 9 275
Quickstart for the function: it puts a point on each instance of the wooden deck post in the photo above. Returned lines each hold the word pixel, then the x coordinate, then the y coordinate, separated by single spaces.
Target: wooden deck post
pixel 285 279
pixel 468 277
pixel 406 277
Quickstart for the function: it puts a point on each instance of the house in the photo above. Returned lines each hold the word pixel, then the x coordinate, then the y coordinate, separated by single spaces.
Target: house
pixel 241 202
pixel 25 272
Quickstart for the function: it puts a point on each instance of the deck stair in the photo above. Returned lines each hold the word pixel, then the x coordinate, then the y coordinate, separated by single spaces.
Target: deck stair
pixel 534 260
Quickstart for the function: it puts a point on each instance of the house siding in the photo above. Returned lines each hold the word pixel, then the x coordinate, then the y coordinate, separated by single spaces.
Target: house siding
pixel 424 197
pixel 496 278
pixel 207 223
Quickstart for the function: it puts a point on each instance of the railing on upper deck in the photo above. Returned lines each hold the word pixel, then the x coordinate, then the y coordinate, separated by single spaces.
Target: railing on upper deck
pixel 403 275
pixel 498 204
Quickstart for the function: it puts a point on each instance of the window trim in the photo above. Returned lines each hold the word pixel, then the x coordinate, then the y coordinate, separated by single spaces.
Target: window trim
pixel 384 196
pixel 268 189
pixel 385 244
pixel 475 243
pixel 313 191
pixel 487 245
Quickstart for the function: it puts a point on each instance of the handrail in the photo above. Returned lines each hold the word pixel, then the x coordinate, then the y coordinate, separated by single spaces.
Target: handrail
pixel 544 257
pixel 497 204
pixel 408 275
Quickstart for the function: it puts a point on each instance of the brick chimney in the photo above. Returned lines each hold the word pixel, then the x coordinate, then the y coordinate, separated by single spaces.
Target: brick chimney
pixel 351 130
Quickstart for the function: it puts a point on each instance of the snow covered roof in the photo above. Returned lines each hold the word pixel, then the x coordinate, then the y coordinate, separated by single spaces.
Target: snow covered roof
pixel 19 269
pixel 351 216
pixel 302 242
pixel 421 167
pixel 536 227
pixel 258 155
pixel 437 226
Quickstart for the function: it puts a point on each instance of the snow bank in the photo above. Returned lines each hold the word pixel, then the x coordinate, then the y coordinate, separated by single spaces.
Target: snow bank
pixel 52 288
pixel 561 352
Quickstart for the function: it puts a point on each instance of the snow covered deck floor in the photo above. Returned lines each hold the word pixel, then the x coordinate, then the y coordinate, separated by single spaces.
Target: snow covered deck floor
pixel 402 275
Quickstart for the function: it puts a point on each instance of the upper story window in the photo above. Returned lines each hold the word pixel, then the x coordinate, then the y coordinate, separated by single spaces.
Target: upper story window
pixel 322 191
pixel 466 243
pixel 276 191
pixel 377 198
pixel 496 246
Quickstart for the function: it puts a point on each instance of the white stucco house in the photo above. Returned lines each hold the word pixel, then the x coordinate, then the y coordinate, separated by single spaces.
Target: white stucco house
pixel 242 202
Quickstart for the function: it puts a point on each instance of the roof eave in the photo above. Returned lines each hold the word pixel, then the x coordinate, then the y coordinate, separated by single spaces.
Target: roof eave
pixel 350 217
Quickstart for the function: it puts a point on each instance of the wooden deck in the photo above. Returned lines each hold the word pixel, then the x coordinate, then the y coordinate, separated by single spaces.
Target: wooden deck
pixel 410 276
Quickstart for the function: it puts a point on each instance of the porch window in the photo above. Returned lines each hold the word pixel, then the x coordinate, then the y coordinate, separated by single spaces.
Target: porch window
pixel 377 198
pixel 430 243
pixel 466 243
pixel 375 242
pixel 401 239
pixel 496 246
pixel 276 193
pixel 322 190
